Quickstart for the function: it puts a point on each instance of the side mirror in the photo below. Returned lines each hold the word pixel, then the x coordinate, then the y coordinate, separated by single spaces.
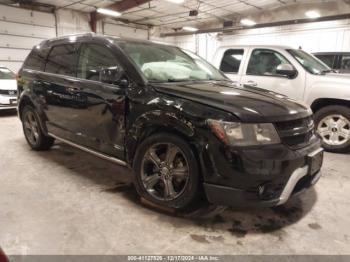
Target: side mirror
pixel 114 76
pixel 124 82
pixel 286 70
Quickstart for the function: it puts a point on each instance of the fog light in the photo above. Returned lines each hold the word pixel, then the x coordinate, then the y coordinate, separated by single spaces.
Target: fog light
pixel 269 191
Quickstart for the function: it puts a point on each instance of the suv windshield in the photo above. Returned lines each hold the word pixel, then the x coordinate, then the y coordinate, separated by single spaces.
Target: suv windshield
pixel 6 73
pixel 309 62
pixel 163 63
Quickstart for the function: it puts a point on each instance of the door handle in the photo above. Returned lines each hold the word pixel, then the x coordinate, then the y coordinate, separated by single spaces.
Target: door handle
pixel 252 83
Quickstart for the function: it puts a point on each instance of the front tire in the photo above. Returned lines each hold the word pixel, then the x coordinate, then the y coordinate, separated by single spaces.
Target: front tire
pixel 333 125
pixel 32 130
pixel 166 172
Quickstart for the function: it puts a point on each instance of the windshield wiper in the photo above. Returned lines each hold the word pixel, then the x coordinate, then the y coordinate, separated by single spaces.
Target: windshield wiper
pixel 323 72
pixel 168 80
pixel 179 80
pixel 172 80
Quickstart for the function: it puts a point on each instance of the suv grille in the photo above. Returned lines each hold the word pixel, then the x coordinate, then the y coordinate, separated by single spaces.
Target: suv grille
pixel 8 92
pixel 296 133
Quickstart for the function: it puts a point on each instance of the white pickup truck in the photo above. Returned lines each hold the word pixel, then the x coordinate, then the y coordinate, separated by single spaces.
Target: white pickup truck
pixel 299 75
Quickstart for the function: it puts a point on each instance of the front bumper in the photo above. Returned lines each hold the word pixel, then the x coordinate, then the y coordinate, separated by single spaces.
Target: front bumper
pixel 290 174
pixel 8 102
pixel 228 196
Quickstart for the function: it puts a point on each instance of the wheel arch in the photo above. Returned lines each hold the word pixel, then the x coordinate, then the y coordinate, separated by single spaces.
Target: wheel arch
pixel 25 100
pixel 157 121
pixel 323 102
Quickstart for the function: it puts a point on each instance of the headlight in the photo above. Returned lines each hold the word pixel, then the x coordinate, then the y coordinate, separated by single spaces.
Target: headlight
pixel 242 134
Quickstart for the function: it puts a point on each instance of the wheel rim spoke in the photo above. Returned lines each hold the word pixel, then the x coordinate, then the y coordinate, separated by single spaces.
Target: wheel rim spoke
pixel 31 128
pixel 36 135
pixel 27 126
pixel 334 138
pixel 324 132
pixel 169 191
pixel 331 121
pixel 344 133
pixel 32 137
pixel 343 124
pixel 28 120
pixel 151 181
pixel 170 154
pixel 152 156
pixel 35 125
pixel 180 171
pixel 31 119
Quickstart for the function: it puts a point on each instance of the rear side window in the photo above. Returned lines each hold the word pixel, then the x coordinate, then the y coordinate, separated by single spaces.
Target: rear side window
pixel 327 59
pixel 93 58
pixel 62 60
pixel 345 63
pixel 36 60
pixel 231 60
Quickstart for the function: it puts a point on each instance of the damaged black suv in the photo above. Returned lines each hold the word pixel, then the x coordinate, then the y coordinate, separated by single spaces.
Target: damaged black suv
pixel 182 127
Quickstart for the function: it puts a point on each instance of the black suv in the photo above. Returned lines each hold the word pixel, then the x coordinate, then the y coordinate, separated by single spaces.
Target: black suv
pixel 180 124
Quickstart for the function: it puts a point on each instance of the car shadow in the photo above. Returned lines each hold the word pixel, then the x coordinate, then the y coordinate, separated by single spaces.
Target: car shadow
pixel 8 112
pixel 113 179
pixel 342 153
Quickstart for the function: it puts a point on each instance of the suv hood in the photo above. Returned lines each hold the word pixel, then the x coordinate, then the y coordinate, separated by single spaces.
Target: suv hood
pixel 8 84
pixel 249 104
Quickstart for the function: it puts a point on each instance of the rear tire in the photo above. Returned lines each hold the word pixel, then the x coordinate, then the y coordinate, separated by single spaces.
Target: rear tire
pixel 32 130
pixel 166 172
pixel 333 125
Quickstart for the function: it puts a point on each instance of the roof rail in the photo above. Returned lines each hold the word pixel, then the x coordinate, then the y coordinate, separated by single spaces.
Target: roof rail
pixel 70 35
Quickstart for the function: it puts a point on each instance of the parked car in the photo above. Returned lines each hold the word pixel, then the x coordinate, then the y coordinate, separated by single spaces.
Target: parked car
pixel 339 61
pixel 171 117
pixel 299 75
pixel 8 89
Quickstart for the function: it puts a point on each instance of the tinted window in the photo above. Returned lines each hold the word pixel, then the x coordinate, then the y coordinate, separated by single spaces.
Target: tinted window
pixel 231 61
pixel 345 63
pixel 62 60
pixel 265 62
pixel 6 73
pixel 36 60
pixel 93 58
pixel 327 59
